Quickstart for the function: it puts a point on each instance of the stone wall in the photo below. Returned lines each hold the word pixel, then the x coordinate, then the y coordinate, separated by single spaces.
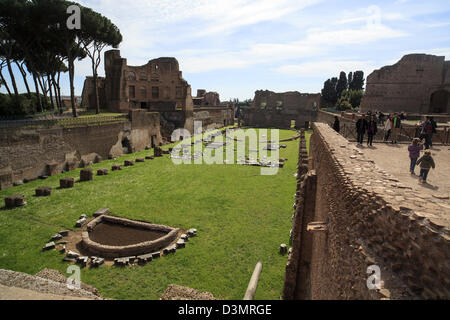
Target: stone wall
pixel 418 83
pixel 270 109
pixel 26 154
pixel 215 117
pixel 350 215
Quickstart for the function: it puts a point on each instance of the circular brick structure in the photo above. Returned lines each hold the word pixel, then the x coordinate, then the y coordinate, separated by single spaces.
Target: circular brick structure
pixel 113 237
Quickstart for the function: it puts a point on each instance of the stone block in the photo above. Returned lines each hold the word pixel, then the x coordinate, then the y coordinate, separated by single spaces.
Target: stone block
pixel 49 246
pixel 102 172
pixel 156 255
pixel 43 191
pixel 149 157
pixel 157 152
pixel 14 201
pixel 184 237
pixel 170 249
pixel 56 237
pixel 192 233
pixel 97 261
pixel 52 169
pixel 83 261
pixel 43 177
pixel 140 160
pixel 143 259
pixel 73 254
pixel 128 163
pixel 64 233
pixel 283 249
pixel 66 183
pixel 80 222
pixel 116 167
pixel 86 174
pixel 100 212
pixel 181 244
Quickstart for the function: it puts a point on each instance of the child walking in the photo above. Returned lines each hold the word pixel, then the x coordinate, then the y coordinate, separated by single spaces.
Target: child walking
pixel 414 152
pixel 426 163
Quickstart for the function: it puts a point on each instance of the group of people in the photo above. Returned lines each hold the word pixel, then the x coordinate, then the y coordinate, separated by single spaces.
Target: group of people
pixel 364 126
pixel 427 128
pixel 392 126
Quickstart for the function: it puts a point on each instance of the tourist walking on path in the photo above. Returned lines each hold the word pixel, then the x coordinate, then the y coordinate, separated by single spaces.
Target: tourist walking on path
pixel 396 126
pixel 361 128
pixel 414 153
pixel 371 130
pixel 426 163
pixel 434 124
pixel 388 128
pixel 427 133
pixel 336 124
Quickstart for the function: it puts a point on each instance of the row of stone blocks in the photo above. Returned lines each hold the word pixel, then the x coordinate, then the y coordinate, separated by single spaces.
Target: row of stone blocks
pixel 143 259
pixel 67 183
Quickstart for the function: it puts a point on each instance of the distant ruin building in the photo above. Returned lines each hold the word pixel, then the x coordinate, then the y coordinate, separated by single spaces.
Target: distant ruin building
pixel 206 99
pixel 418 83
pixel 156 86
pixel 282 110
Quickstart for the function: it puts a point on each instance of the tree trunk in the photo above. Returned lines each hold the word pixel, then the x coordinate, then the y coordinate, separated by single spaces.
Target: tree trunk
pixel 51 92
pixel 24 76
pixel 5 84
pixel 72 88
pixel 59 93
pixel 96 98
pixel 13 79
pixel 55 89
pixel 44 90
pixel 40 108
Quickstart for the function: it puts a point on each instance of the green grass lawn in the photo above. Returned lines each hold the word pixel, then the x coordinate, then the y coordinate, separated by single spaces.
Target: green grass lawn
pixel 241 216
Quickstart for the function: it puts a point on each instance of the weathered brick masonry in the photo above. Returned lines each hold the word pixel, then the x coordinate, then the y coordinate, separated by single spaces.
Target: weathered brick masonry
pixel 30 153
pixel 363 217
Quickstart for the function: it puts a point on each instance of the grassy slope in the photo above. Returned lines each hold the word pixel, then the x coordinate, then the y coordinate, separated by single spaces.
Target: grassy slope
pixel 241 218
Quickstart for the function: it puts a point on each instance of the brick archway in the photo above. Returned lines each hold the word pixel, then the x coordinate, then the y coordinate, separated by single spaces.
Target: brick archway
pixel 439 101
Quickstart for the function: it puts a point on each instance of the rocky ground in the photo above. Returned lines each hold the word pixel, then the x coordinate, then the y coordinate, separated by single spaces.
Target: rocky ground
pixel 46 285
pixel 175 292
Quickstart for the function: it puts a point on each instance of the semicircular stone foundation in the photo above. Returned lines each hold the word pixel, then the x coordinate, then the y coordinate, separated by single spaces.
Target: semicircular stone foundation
pixel 114 237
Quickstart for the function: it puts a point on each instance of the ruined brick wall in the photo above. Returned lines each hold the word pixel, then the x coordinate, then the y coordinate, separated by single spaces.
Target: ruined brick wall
pixel 418 83
pixel 362 216
pixel 215 117
pixel 28 153
pixel 270 109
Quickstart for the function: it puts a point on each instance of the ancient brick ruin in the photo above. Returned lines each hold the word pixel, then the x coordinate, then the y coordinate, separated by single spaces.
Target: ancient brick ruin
pixel 157 86
pixel 281 110
pixel 418 83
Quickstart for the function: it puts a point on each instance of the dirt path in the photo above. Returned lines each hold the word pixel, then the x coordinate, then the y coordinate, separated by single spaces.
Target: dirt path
pixel 394 159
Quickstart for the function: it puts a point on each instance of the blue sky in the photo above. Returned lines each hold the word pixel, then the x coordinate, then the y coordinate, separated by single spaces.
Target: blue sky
pixel 236 47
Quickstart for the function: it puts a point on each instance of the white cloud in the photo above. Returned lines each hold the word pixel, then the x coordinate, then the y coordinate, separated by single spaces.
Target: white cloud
pixel 326 68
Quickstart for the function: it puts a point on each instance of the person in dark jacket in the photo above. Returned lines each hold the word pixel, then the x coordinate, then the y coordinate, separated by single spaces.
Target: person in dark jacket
pixel 414 153
pixel 426 163
pixel 336 124
pixel 361 128
pixel 427 133
pixel 371 130
pixel 434 124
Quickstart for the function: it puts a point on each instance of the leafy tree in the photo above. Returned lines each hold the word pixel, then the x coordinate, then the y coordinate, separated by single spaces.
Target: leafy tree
pixel 341 84
pixel 358 81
